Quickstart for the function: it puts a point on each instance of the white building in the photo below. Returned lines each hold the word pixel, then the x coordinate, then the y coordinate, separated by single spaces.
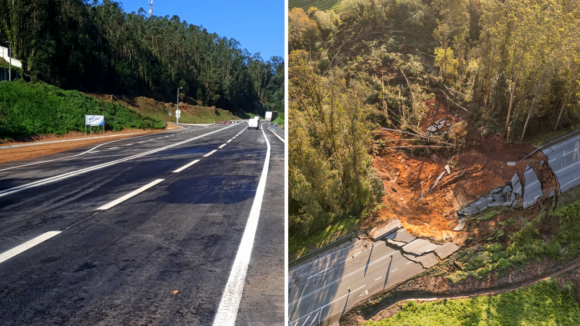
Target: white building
pixel 4 55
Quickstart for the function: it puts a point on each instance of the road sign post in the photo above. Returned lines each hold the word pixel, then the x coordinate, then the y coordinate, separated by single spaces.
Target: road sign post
pixel 94 120
pixel 178 112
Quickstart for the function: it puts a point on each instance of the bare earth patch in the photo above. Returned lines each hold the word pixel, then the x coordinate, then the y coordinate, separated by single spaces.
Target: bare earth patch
pixel 28 152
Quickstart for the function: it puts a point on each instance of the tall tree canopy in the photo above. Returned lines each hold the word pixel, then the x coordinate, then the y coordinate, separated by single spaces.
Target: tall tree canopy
pixel 98 47
pixel 513 67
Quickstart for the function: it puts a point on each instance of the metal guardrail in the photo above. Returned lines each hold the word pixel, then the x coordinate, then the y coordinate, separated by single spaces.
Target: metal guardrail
pixel 279 131
pixel 319 249
pixel 550 144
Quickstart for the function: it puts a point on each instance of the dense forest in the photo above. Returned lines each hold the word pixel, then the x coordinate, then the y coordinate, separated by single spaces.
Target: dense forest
pixel 511 66
pixel 97 47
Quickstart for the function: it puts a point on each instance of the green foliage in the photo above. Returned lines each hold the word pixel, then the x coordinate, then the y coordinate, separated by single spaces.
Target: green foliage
pixel 330 171
pixel 279 120
pixel 527 244
pixel 95 46
pixel 320 4
pixel 35 109
pixel 543 303
pixel 300 245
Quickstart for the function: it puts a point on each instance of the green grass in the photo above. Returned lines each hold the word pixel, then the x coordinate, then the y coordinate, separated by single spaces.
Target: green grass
pixel 28 109
pixel 527 243
pixel 252 115
pixel 543 303
pixel 299 246
pixel 320 4
pixel 189 114
pixel 543 137
pixel 279 120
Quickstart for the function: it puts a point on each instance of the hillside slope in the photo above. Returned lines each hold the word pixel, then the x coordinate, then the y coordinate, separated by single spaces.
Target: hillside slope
pixel 160 110
pixel 29 109
pixel 320 4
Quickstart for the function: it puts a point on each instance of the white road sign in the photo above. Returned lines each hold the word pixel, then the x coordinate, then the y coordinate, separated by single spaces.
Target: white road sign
pixel 94 120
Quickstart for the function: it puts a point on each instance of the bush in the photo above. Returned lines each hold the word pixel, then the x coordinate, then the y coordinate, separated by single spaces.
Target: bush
pixel 543 303
pixel 35 109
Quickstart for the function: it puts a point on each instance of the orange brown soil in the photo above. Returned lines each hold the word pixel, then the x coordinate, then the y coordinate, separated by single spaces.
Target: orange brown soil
pixel 28 152
pixel 429 212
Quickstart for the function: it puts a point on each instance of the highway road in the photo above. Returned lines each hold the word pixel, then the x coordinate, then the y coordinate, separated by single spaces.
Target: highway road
pixel 184 227
pixel 564 159
pixel 318 292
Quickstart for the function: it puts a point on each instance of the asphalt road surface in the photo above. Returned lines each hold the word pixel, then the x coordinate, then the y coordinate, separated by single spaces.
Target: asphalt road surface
pixel 564 159
pixel 162 229
pixel 319 293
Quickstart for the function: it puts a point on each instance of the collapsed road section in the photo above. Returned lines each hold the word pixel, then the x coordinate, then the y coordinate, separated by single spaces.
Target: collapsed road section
pixel 323 289
pixel 564 158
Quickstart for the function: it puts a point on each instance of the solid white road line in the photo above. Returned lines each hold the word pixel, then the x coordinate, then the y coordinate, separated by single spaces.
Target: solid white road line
pixel 322 271
pixel 68 157
pixel 230 302
pixel 314 319
pixel 129 195
pixel 100 166
pixel 208 154
pixel 27 245
pixel 66 140
pixel 328 304
pixel 222 146
pixel 277 136
pixel 341 278
pixel 185 166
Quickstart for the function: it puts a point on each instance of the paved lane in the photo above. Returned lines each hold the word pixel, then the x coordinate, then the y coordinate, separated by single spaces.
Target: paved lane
pixel 121 265
pixel 564 159
pixel 318 290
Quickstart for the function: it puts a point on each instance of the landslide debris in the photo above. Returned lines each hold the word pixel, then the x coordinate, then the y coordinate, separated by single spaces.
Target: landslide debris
pixel 425 190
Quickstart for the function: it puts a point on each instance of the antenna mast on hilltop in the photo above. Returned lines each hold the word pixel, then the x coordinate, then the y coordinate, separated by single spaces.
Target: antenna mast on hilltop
pixel 150 8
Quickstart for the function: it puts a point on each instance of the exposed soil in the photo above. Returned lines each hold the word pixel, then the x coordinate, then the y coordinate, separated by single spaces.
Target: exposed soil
pixel 428 211
pixel 157 109
pixel 28 152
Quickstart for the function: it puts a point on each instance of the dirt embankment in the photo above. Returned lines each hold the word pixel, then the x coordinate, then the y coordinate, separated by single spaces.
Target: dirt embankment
pixel 160 110
pixel 427 208
pixel 29 152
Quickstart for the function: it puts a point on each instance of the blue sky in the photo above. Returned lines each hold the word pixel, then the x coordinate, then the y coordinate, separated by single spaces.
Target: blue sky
pixel 257 24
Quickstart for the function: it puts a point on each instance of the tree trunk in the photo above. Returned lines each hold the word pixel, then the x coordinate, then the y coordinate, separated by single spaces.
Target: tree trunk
pixel 540 84
pixel 507 120
pixel 564 104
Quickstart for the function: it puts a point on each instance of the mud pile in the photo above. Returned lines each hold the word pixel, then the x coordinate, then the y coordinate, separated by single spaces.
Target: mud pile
pixel 424 191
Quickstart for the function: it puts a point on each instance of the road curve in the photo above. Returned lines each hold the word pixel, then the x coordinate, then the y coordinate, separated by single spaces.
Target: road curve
pixel 142 231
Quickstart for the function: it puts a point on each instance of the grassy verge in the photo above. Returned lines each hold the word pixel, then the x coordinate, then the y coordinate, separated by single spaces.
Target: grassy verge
pixel 28 109
pixel 544 137
pixel 299 246
pixel 320 4
pixel 160 110
pixel 279 120
pixel 543 303
pixel 527 243
pixel 252 115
